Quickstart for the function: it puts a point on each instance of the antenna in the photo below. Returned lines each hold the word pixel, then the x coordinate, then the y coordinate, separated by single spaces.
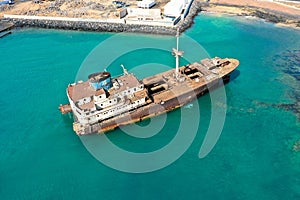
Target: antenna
pixel 177 53
pixel 124 69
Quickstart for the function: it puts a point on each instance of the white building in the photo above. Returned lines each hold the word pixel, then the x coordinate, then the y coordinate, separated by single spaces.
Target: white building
pixel 146 4
pixel 174 8
pixel 152 14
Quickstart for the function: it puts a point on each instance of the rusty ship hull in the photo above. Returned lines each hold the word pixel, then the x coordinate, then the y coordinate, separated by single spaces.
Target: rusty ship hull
pixel 103 103
pixel 165 92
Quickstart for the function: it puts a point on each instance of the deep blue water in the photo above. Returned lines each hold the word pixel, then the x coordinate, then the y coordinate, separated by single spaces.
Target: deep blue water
pixel 42 158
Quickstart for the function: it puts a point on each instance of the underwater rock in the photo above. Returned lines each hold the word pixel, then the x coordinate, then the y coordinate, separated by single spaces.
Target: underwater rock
pixel 296 146
pixel 293 107
pixel 289 62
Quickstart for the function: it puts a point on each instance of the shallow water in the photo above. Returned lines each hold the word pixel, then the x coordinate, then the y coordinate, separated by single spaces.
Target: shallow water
pixel 41 157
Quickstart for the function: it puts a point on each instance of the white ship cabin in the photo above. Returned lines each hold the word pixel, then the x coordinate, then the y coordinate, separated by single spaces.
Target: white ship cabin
pixel 102 97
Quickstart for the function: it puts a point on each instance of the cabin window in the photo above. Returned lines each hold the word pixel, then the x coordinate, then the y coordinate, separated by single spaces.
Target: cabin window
pixel 134 89
pixel 101 104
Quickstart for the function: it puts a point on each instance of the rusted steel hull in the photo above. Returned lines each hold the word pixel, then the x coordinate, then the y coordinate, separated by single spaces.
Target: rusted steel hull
pixel 66 108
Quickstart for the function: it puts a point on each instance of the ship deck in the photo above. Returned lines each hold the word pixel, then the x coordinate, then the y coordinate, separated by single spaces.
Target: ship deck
pixel 172 87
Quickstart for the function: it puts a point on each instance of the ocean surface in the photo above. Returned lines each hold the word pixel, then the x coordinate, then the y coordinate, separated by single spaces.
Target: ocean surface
pixel 42 158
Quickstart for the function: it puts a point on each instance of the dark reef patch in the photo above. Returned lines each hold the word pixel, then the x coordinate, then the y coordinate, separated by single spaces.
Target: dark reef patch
pixel 289 63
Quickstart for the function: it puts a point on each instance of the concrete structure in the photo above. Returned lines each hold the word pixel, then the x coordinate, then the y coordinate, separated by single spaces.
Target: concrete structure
pixel 175 7
pixel 121 12
pixel 146 4
pixel 144 14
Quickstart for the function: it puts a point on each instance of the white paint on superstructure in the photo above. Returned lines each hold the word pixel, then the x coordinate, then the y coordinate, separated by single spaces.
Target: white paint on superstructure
pixel 117 100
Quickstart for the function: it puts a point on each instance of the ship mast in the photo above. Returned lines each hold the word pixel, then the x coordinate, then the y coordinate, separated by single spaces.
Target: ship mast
pixel 124 69
pixel 177 54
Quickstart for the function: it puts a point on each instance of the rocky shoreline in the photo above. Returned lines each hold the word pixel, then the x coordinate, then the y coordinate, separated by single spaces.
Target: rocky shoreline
pixel 276 18
pixel 110 27
pixel 269 15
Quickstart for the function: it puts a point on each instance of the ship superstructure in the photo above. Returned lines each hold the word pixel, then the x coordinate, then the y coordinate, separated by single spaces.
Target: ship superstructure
pixel 102 97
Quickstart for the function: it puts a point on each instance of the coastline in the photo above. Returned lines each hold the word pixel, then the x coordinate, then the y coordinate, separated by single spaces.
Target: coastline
pixel 269 11
pixel 122 25
pixel 252 17
pixel 280 18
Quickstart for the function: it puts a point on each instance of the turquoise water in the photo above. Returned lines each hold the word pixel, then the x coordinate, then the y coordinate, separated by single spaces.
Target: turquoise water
pixel 41 157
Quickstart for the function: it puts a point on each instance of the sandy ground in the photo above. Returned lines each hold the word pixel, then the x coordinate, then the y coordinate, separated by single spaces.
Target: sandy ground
pixel 105 9
pixel 98 9
pixel 289 9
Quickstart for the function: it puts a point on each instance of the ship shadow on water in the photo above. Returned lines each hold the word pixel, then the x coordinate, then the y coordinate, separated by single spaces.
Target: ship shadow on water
pixel 143 123
pixel 234 75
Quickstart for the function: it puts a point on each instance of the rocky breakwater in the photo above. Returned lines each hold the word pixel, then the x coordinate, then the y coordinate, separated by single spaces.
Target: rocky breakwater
pixel 86 25
pixel 195 8
pixel 5 26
